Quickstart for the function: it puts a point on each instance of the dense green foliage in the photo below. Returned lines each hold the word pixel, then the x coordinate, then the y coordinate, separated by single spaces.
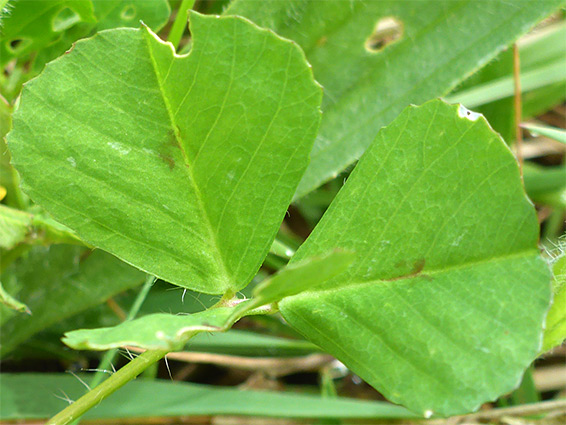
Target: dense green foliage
pixel 421 269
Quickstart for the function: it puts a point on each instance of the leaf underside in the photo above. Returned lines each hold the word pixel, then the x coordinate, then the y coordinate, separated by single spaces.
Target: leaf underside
pixel 182 166
pixel 443 308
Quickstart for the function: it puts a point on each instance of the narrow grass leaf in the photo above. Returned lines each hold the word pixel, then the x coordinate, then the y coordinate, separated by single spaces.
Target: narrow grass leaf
pixel 554 133
pixel 38 396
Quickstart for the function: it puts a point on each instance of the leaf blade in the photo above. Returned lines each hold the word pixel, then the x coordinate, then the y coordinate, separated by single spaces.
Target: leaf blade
pixel 22 394
pixel 123 151
pixel 448 238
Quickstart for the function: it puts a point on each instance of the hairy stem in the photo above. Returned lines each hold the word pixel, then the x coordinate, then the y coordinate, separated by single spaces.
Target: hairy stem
pixel 108 358
pixel 113 383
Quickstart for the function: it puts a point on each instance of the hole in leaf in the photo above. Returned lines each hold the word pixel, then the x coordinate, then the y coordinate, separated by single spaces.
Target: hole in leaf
pixel 65 19
pixel 387 31
pixel 16 45
pixel 128 13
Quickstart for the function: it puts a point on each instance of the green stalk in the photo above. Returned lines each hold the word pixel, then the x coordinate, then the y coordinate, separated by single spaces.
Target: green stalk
pixel 108 358
pixel 180 23
pixel 113 383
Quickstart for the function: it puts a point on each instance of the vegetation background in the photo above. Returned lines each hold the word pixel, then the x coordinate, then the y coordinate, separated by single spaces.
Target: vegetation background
pixel 262 370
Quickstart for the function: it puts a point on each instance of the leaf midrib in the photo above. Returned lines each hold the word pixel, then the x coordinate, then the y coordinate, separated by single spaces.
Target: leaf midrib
pixel 532 253
pixel 227 278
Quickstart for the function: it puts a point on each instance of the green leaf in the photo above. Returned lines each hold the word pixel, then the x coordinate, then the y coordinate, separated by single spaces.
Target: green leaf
pixel 555 331
pixel 554 133
pixel 281 249
pixel 128 13
pixel 23 227
pixel 29 25
pixel 138 167
pixel 11 302
pixel 444 307
pixel 300 276
pixel 441 43
pixel 57 282
pixel 504 87
pixel 154 331
pixel 539 51
pixel 38 396
pixel 545 185
pixel 109 14
pixel 244 343
pixel 14 226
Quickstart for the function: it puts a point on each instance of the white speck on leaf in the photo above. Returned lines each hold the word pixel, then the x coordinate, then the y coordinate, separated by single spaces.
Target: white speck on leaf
pixel 72 161
pixel 466 113
pixel 456 241
pixel 123 150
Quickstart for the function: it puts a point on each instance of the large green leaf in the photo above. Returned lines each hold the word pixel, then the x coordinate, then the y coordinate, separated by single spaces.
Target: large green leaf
pixel 181 166
pixel 57 282
pixel 38 396
pixel 444 307
pixel 442 42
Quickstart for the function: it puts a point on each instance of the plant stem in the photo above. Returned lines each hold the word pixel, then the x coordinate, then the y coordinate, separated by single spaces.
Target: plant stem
pixel 518 106
pixel 108 358
pixel 113 383
pixel 522 410
pixel 180 23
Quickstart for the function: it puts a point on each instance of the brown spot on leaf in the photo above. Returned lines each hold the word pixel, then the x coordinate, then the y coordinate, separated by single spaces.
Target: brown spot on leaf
pixel 168 159
pixel 322 41
pixel 172 139
pixel 418 267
